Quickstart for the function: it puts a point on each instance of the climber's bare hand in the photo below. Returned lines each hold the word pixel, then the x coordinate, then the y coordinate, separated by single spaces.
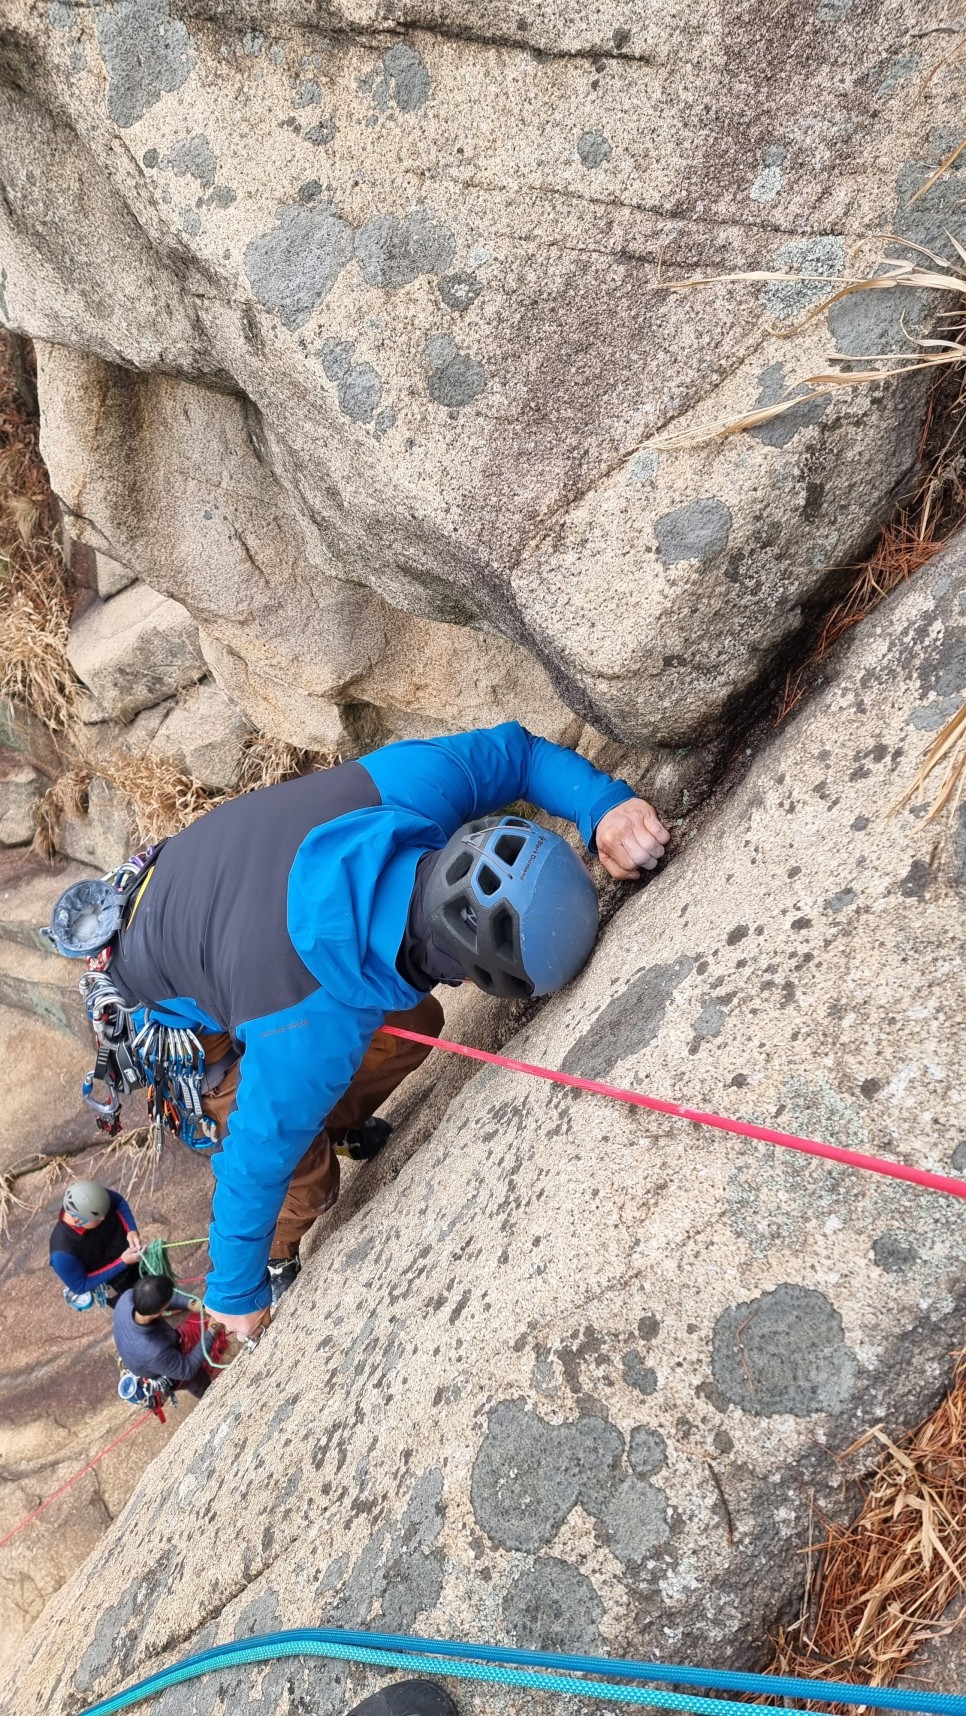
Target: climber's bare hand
pixel 247 1328
pixel 132 1254
pixel 631 838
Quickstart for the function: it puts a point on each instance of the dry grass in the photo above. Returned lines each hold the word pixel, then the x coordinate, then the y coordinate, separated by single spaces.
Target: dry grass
pixel 935 354
pixel 948 748
pixel 904 547
pixel 34 598
pixel 887 1579
pixel 267 762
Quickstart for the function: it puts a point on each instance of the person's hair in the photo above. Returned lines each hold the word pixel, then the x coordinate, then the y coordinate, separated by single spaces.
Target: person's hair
pixel 152 1294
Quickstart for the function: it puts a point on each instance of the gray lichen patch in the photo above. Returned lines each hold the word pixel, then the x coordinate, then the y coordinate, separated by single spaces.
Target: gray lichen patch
pixel 193 156
pixel 636 1520
pixel 529 1475
pixel 637 1374
pixel 393 252
pixel 407 76
pixel 400 77
pixel 360 392
pixel 552 1606
pixel 593 149
pixel 321 133
pixel 646 1450
pixel 459 291
pixel 818 263
pixel 629 1022
pixel 781 430
pixel 455 378
pixel 784 1352
pixel 292 268
pixel 894 1253
pixel 146 53
pixel 870 324
pixel 698 530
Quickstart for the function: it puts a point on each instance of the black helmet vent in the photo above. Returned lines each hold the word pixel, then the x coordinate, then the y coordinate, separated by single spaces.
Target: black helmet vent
pixel 509 846
pixel 487 880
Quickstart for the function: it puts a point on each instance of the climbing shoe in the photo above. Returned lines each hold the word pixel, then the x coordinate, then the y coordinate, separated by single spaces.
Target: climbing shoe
pixel 281 1274
pixel 407 1698
pixel 362 1143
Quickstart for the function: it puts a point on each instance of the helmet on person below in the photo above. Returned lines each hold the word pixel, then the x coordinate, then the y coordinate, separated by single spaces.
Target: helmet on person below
pixel 87 1200
pixel 85 918
pixel 513 905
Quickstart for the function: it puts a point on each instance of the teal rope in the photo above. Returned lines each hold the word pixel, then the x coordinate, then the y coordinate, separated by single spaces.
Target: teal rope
pixel 268 1650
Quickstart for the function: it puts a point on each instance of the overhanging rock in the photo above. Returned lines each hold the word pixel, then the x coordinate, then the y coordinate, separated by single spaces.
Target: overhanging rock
pixel 429 275
pixel 574 1377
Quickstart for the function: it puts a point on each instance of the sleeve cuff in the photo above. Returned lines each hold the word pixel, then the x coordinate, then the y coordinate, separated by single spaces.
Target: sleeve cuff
pixel 237 1304
pixel 616 792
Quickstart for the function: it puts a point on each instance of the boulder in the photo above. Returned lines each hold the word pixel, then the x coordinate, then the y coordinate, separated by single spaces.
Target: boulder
pixel 103 835
pixel 224 541
pixel 428 281
pixel 21 790
pixel 204 733
pixel 110 577
pixel 578 1375
pixel 134 651
pixel 33 980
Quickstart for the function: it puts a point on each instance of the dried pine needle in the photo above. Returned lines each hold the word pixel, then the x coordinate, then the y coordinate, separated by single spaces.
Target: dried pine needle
pixel 887 1579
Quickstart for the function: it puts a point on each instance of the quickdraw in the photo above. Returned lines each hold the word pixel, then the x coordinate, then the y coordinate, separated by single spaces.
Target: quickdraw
pixel 167 1062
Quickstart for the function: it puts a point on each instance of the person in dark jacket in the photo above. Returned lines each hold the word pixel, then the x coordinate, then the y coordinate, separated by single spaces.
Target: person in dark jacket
pixel 290 924
pixel 148 1345
pixel 94 1244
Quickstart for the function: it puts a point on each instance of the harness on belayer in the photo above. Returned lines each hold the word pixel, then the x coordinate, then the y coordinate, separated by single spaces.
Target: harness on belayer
pixel 167 1062
pixel 150 1393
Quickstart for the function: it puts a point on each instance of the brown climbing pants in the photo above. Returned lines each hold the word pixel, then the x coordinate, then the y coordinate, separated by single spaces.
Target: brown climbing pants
pixel 314 1186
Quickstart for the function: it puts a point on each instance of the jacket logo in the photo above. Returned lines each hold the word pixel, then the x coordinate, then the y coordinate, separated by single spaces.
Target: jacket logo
pixel 297 1025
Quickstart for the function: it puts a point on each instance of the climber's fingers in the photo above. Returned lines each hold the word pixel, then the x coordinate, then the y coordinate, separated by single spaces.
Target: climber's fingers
pixel 631 838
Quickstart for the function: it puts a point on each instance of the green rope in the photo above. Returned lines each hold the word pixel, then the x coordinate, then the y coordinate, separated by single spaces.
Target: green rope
pixel 154 1259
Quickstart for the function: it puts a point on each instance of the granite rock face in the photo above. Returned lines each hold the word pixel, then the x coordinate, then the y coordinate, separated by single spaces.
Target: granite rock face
pixel 572 1376
pixel 134 651
pixel 400 340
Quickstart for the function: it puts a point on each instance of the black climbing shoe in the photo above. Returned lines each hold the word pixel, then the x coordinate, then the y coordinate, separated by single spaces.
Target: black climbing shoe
pixel 364 1142
pixel 407 1698
pixel 281 1274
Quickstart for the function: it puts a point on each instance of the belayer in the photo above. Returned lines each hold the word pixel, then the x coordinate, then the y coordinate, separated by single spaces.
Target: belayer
pixel 94 1245
pixel 242 970
pixel 151 1347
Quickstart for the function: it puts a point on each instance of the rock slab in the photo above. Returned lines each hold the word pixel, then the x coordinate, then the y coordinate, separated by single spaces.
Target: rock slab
pixel 575 1376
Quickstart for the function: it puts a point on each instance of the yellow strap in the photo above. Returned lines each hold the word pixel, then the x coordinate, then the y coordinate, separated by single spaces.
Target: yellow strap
pixel 137 897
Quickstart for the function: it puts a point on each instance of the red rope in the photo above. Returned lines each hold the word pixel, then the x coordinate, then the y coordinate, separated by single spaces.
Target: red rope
pixel 744 1128
pixel 97 1457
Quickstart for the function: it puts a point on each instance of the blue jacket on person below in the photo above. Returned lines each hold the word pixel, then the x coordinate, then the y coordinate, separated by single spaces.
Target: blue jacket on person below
pixel 278 917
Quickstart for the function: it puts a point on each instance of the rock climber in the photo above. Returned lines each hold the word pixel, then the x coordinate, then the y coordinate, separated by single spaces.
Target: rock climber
pixel 282 929
pixel 94 1245
pixel 152 1347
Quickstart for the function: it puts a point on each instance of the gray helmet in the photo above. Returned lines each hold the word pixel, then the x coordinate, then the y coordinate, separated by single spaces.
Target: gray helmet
pixel 513 905
pixel 87 1200
pixel 85 918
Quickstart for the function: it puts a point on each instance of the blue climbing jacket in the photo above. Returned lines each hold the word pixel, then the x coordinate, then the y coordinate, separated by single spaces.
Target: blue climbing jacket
pixel 278 917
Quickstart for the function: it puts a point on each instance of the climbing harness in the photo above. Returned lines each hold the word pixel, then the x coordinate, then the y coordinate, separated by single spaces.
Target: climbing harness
pixel 167 1061
pixel 539 1671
